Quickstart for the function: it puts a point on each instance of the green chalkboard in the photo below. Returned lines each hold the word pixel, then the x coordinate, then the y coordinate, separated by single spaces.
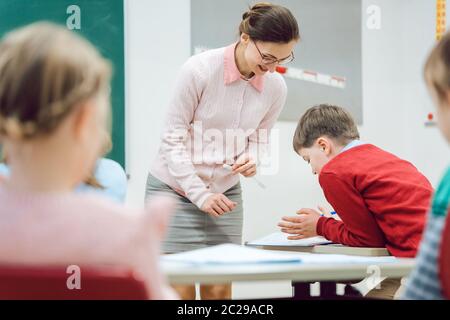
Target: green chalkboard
pixel 100 21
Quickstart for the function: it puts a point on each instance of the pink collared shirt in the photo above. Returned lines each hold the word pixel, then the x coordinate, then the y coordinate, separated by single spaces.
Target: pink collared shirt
pixel 212 102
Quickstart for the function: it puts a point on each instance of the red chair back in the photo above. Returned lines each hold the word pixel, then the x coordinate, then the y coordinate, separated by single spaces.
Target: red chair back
pixel 51 283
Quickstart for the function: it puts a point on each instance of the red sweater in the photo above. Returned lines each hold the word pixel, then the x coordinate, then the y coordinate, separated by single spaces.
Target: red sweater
pixel 381 199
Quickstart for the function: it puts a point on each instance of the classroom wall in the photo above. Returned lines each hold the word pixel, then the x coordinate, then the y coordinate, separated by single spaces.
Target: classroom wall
pixel 395 105
pixel 158 43
pixel 396 101
pixel 426 146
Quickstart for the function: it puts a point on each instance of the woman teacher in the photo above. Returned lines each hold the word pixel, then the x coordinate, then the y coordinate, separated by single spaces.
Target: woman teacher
pixel 221 93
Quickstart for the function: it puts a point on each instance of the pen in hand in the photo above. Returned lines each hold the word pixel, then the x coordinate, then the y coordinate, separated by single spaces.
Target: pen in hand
pixel 230 169
pixel 325 212
pixel 332 213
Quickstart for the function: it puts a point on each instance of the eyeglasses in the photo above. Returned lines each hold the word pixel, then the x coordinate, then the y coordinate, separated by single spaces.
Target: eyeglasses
pixel 269 60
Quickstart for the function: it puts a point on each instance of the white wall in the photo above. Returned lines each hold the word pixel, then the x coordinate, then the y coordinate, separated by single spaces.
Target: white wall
pixel 426 145
pixel 396 102
pixel 158 40
pixel 395 105
pixel 383 109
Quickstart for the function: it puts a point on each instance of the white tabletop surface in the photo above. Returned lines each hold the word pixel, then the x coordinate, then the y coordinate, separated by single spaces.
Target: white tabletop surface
pixel 183 273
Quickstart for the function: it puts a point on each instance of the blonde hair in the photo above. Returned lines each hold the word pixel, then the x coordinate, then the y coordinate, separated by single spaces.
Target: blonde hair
pixel 437 67
pixel 45 71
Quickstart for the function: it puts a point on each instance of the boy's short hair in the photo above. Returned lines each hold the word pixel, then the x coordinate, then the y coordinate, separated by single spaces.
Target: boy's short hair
pixel 324 120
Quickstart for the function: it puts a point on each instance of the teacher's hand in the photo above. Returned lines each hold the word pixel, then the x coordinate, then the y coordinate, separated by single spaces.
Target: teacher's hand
pixel 218 204
pixel 245 165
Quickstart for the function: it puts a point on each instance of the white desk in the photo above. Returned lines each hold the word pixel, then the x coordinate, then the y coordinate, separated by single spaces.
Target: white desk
pixel 300 274
pixel 186 274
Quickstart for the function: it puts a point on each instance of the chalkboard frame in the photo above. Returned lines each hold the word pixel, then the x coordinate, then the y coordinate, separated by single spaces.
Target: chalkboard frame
pixel 103 23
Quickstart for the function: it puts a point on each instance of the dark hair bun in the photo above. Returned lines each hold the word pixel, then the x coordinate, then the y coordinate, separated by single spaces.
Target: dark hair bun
pixel 269 22
pixel 246 15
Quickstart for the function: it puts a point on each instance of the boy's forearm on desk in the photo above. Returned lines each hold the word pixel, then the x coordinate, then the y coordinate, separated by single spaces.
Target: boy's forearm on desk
pixel 336 231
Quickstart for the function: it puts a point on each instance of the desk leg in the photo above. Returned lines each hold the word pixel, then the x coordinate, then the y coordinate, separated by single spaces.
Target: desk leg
pixel 301 291
pixel 328 290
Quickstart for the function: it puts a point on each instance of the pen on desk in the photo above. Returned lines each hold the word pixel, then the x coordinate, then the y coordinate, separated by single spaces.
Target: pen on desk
pixel 230 169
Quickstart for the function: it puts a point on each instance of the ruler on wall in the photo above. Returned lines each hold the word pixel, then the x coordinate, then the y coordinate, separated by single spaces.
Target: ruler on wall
pixel 440 18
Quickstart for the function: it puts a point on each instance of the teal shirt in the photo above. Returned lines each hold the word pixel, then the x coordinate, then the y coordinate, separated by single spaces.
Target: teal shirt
pixel 108 173
pixel 442 197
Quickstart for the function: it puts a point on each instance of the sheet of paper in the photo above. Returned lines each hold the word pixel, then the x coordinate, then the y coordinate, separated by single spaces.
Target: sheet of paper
pixel 280 239
pixel 231 254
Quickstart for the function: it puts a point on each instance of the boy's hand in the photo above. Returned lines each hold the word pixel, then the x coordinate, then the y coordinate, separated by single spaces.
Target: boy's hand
pixel 302 226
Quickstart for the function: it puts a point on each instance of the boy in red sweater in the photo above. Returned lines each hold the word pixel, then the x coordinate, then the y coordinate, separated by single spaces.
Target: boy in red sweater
pixel 381 199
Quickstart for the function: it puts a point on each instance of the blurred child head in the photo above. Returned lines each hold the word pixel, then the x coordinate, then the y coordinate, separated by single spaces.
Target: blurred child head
pixel 54 97
pixel 437 77
pixel 322 132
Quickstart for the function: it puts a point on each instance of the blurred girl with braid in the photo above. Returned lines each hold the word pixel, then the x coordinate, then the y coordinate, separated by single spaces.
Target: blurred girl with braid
pixel 430 280
pixel 54 106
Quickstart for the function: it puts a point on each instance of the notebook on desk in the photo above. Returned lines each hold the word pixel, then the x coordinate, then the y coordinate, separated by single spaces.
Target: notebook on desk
pixel 351 251
pixel 279 240
pixel 231 254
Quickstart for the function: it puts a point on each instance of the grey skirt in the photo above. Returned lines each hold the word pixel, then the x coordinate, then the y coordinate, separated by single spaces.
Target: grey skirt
pixel 190 228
